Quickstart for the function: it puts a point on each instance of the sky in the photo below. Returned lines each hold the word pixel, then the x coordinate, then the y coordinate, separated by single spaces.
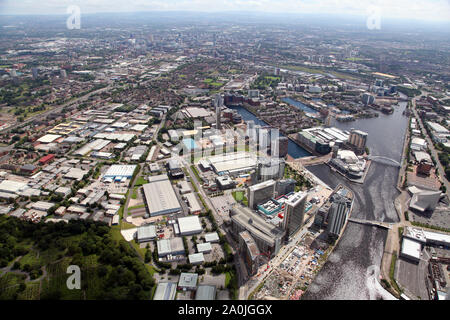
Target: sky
pixel 427 10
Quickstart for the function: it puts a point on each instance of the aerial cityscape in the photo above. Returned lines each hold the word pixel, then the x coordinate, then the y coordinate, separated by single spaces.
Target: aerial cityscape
pixel 186 153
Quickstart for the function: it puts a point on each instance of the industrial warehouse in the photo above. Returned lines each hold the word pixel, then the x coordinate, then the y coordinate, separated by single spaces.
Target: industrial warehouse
pixel 160 196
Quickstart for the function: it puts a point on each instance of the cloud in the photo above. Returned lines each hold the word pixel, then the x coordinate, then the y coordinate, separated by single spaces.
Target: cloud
pixel 416 9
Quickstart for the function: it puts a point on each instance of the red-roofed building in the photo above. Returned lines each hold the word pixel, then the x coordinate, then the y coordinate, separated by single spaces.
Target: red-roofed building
pixel 46 159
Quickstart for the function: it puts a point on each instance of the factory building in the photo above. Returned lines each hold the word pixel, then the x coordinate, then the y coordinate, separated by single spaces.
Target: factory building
pixel 194 205
pixel 170 247
pixel 212 237
pixel 187 281
pixel 119 172
pixel 232 164
pixel 205 292
pixel 175 169
pixel 189 225
pixel 225 182
pixel 267 236
pixel 196 258
pixel 160 196
pixel 146 233
pixel 165 291
pixel 260 192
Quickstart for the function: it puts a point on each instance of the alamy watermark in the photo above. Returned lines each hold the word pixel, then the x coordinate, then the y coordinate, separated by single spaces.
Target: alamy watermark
pixel 74 20
pixel 374 17
pixel 74 280
pixel 262 142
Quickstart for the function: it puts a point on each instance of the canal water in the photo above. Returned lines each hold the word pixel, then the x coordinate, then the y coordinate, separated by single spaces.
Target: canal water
pixel 294 150
pixel 346 274
pixel 299 105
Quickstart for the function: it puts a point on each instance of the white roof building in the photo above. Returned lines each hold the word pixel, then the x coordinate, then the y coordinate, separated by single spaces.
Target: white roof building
pixel 411 249
pixel 189 225
pixel 165 291
pixel 10 186
pixel 425 200
pixel 212 237
pixel 196 258
pixel 204 247
pixel 418 144
pixel 160 196
pixel 49 138
pixel 146 233
pixel 120 171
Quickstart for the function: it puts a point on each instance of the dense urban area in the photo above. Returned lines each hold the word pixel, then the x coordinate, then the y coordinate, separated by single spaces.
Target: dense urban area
pixel 249 159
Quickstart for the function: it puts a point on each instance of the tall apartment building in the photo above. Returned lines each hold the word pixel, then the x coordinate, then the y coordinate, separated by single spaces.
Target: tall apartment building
pixel 260 192
pixel 294 213
pixel 358 139
pixel 337 216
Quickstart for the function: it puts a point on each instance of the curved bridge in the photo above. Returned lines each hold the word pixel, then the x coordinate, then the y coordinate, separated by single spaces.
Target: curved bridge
pixel 385 160
pixel 384 225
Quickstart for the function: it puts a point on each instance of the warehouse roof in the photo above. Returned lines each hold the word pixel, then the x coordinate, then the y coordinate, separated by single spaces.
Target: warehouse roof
pixel 117 170
pixel 196 258
pixel 12 186
pixel 411 248
pixel 204 247
pixel 188 280
pixel 205 292
pixel 160 196
pixel 211 237
pixel 146 232
pixel 170 246
pixel 49 138
pixel 165 291
pixel 189 224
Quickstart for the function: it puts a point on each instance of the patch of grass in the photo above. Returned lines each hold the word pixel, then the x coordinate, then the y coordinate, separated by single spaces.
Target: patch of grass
pixel 137 207
pixel 227 278
pixel 392 274
pixel 140 181
pixel 429 226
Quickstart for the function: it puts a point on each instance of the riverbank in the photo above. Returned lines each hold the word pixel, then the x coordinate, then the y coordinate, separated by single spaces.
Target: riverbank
pixel 294 150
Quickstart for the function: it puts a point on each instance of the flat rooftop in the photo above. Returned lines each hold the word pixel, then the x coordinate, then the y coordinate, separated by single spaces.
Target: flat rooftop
pixel 160 196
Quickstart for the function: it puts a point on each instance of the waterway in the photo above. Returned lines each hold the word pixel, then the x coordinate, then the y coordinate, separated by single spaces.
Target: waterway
pixel 294 150
pixel 299 105
pixel 346 274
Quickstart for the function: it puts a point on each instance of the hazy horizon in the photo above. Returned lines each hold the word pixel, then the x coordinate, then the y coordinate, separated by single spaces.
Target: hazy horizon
pixel 421 10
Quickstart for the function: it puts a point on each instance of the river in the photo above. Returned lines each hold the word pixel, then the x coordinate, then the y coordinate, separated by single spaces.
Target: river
pixel 346 274
pixel 294 150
